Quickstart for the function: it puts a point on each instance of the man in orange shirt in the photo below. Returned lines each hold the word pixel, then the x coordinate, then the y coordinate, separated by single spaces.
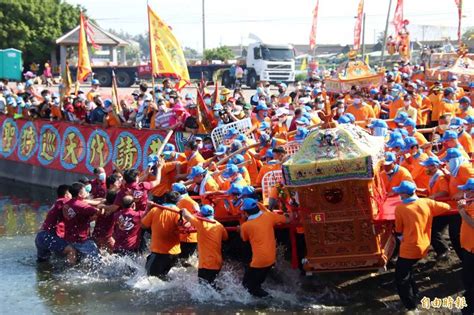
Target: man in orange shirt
pixel 465 108
pixel 413 220
pixel 435 98
pixel 193 158
pixel 165 244
pixel 210 234
pixel 259 231
pixel 393 174
pixel 458 91
pixel 466 210
pixel 188 240
pixel 273 162
pixel 448 103
pixel 412 162
pixel 464 139
pixel 359 109
pixel 410 126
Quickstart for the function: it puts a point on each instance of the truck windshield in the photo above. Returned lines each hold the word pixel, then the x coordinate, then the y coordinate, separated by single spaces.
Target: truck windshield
pixel 277 54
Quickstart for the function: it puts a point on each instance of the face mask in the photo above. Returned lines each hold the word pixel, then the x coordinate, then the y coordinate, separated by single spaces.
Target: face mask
pixel 101 177
pixel 208 146
pixel 317 85
pixel 171 100
pixel 407 103
pixel 282 119
pixel 443 126
pixel 222 98
pixel 200 146
pixel 394 93
pixel 216 114
pixel 56 101
pixel 320 105
pixel 357 101
pixel 340 110
pixel 379 132
pixel 88 188
pixel 454 84
pixel 47 98
pixel 267 91
pixel 207 101
pixel 159 95
pixel 167 97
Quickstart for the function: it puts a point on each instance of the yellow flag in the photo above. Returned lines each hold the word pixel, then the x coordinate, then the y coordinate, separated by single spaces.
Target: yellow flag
pixel 367 59
pixel 304 65
pixel 167 57
pixel 83 62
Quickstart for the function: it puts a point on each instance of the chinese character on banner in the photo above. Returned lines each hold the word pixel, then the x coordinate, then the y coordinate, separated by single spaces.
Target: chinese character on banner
pixel 70 148
pixel 8 139
pixel 48 145
pixel 460 302
pixel 127 153
pixel 426 303
pixel 436 303
pixel 27 141
pixel 448 302
pixel 97 151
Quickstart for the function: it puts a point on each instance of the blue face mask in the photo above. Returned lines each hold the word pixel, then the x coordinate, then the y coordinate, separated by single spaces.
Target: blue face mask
pixel 159 95
pixel 88 188
pixel 207 101
pixel 102 177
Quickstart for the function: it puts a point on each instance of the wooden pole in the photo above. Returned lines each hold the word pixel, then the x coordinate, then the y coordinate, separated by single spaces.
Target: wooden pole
pixel 385 34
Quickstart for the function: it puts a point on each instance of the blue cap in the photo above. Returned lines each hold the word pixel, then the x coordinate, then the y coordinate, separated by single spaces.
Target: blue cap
pixel 344 119
pixel 401 117
pixel 235 189
pixel 269 154
pixel 469 185
pixel 218 107
pixel 351 117
pixel 448 91
pixel 373 91
pixel 195 171
pixel 390 158
pixel 11 101
pixel 409 123
pixel 230 170
pixel 452 153
pixel 431 161
pixel 261 106
pixel 238 158
pixel 180 188
pixel 303 121
pixel 264 138
pixel 465 99
pixel 158 89
pixel 283 85
pixel 236 145
pixel 406 187
pixel 410 142
pixel 307 89
pixel 449 135
pixel 242 137
pixel 169 147
pixel 107 102
pixel 260 90
pixel 152 159
pixel 248 191
pixel 231 132
pixel 378 123
pixel 188 96
pixel 207 211
pixel 307 116
pixel 317 91
pixel 456 122
pixel 301 133
pixel 471 85
pixel 397 143
pixel 469 120
pixel 95 82
pixel 249 204
pixel 265 125
pixel 221 150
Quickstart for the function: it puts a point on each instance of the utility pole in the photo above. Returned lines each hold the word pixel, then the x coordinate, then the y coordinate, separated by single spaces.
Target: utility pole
pixel 203 28
pixel 385 33
pixel 363 36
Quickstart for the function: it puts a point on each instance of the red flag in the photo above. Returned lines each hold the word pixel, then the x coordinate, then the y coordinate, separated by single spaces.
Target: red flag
pixel 398 17
pixel 312 35
pixel 358 25
pixel 206 115
pixel 90 34
pixel 459 5
pixel 216 95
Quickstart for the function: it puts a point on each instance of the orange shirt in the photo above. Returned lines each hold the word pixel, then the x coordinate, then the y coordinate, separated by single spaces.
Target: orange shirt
pixel 464 113
pixel 459 93
pixel 56 112
pixel 265 169
pixel 416 102
pixel 417 171
pixel 192 206
pixel 261 235
pixel 465 139
pixel 465 172
pixel 112 120
pixel 440 185
pixel 252 168
pixel 425 104
pixel 168 175
pixel 395 179
pixel 414 221
pixel 435 104
pixel 362 112
pixel 445 107
pixel 164 231
pixel 194 160
pixel 274 142
pixel 420 138
pixel 394 107
pixel 467 232
pixel 219 205
pixel 209 238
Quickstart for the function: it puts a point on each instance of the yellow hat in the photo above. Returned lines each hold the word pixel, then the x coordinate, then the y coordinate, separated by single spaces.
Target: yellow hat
pixel 225 91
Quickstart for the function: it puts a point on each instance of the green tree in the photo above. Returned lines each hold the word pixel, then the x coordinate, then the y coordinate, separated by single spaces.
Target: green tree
pixel 190 53
pixel 468 35
pixel 33 26
pixel 219 53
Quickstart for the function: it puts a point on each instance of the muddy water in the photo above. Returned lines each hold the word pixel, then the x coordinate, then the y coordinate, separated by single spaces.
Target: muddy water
pixel 119 285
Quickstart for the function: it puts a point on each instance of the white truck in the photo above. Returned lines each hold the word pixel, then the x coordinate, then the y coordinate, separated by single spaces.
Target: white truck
pixel 267 62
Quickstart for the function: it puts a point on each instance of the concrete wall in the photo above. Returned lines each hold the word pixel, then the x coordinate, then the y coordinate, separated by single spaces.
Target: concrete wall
pixel 36 175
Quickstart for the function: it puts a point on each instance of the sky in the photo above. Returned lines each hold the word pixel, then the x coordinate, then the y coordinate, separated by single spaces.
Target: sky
pixel 276 21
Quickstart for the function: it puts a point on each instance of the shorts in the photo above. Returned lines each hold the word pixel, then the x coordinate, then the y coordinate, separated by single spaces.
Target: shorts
pixel 47 242
pixel 159 265
pixel 207 275
pixel 87 248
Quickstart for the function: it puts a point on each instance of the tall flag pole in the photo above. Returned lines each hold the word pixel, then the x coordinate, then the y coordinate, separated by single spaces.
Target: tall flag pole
pixel 115 98
pixel 312 35
pixel 398 21
pixel 167 57
pixel 459 5
pixel 84 68
pixel 358 25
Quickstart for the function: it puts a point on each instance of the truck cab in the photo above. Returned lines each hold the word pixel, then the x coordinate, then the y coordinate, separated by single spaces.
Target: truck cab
pixel 273 63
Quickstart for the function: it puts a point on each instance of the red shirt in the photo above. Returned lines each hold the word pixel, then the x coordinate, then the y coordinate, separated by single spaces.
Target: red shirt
pixel 139 191
pixel 99 189
pixel 127 229
pixel 104 227
pixel 54 218
pixel 77 215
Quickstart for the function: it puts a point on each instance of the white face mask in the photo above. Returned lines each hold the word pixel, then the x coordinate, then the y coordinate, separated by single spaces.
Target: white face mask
pixel 443 127
pixel 200 146
pixel 340 110
pixel 357 101
pixel 320 105
pixel 317 85
pixel 454 84
pixel 407 103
